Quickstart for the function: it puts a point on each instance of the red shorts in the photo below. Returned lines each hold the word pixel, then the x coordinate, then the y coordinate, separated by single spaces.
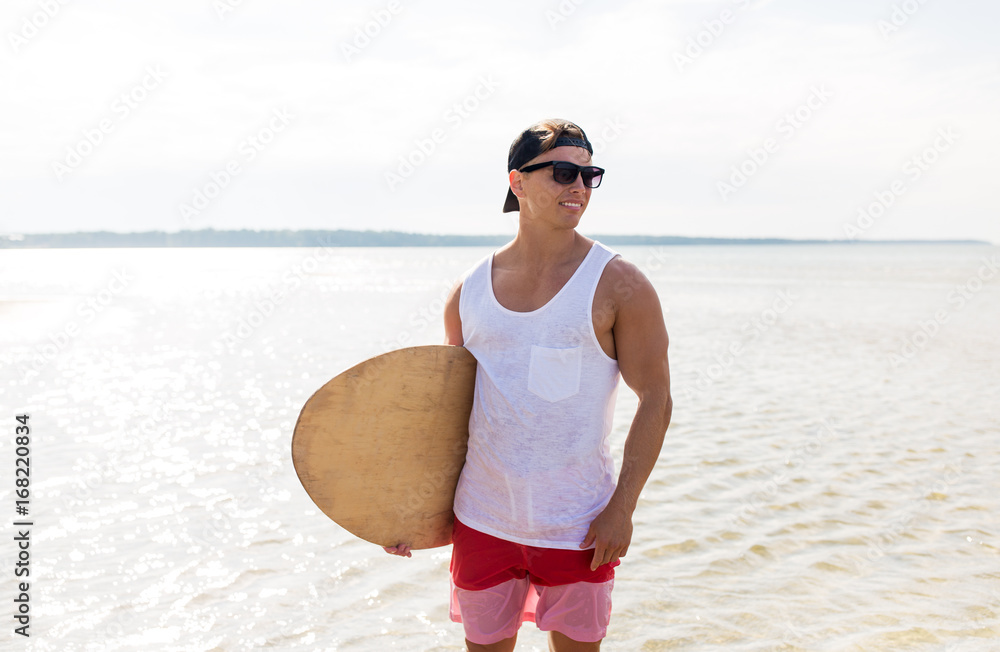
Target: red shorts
pixel 480 561
pixel 497 585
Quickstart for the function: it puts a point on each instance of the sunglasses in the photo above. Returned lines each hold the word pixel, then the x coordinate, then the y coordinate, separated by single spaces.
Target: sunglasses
pixel 565 172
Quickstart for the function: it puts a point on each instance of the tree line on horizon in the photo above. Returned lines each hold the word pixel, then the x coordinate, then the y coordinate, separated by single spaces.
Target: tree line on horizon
pixel 347 238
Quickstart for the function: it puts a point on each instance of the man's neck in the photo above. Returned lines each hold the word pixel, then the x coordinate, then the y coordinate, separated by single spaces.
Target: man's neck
pixel 544 247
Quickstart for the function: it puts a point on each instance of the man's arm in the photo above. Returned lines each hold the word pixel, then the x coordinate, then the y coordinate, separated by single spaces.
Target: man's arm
pixel 640 338
pixel 452 319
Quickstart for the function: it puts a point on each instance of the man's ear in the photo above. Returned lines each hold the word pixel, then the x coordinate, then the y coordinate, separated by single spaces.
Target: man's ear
pixel 516 178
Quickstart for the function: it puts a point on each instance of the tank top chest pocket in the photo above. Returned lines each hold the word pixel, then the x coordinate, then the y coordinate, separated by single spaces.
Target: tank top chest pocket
pixel 554 374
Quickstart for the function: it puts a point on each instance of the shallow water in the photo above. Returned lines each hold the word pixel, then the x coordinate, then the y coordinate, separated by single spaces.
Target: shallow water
pixel 830 480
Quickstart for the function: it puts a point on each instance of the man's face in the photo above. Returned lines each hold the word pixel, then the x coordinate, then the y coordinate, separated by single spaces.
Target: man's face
pixel 550 200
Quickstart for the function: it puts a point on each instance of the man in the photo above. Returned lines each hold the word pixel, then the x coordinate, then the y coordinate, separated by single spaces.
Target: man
pixel 552 318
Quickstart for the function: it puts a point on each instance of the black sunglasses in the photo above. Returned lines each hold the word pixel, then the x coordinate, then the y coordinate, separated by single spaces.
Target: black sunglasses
pixel 565 172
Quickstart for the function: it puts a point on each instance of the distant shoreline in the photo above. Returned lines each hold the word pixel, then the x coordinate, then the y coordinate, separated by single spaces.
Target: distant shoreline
pixel 345 238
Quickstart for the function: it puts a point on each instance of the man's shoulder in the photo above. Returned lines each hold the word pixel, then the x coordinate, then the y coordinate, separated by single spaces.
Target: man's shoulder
pixel 619 268
pixel 622 280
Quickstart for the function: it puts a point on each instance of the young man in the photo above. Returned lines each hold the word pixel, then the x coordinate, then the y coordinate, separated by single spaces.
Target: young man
pixel 552 318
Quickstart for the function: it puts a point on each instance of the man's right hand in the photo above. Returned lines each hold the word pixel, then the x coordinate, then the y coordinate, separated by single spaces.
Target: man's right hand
pixel 400 549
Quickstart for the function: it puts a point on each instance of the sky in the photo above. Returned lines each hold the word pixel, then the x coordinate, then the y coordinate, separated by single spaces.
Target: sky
pixel 860 119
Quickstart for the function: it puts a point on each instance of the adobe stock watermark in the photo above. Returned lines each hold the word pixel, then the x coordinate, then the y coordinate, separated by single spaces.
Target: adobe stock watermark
pixel 454 117
pixel 883 542
pixel 624 289
pixel 786 127
pixel 750 330
pixel 247 152
pixel 416 496
pixel 274 297
pixel 113 625
pixel 365 34
pixel 913 170
pixel 901 14
pixel 121 108
pixel 793 637
pixel 712 29
pixel 562 12
pixel 610 131
pixel 139 441
pixel 431 313
pixel 225 516
pixel 225 7
pixel 985 619
pixel 929 328
pixel 87 310
pixel 765 492
pixel 33 24
pixel 654 260
pixel 656 594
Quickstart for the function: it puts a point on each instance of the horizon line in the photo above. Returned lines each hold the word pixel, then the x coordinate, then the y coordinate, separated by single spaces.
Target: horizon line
pixel 208 237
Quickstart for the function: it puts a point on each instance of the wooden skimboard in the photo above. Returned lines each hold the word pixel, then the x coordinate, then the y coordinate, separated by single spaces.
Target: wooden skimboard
pixel 380 447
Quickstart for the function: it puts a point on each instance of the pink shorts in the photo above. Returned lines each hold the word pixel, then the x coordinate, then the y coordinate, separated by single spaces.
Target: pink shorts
pixel 497 585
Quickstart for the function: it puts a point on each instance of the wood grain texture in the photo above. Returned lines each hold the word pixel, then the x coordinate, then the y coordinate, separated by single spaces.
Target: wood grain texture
pixel 380 447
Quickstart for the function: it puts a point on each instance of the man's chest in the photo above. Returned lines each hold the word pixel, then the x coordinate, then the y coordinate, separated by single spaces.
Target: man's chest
pixel 526 292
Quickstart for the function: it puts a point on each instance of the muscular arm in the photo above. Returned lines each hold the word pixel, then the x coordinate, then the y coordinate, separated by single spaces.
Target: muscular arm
pixel 640 340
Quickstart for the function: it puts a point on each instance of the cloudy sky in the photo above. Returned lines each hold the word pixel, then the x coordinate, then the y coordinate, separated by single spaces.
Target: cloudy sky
pixel 868 119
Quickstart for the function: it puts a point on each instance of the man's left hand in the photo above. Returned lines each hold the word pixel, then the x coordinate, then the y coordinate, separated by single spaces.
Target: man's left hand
pixel 611 533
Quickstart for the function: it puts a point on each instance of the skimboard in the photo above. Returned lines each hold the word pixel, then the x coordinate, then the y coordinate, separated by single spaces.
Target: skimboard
pixel 380 447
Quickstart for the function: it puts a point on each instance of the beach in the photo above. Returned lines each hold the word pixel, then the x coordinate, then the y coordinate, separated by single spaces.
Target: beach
pixel 829 480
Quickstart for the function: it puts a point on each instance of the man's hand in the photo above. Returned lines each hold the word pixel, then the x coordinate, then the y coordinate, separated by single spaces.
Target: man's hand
pixel 400 549
pixel 611 532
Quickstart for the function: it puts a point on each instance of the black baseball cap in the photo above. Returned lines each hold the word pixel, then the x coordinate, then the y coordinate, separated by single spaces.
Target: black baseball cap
pixel 536 139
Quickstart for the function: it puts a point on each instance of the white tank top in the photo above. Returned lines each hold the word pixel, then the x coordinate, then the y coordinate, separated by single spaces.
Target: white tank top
pixel 539 467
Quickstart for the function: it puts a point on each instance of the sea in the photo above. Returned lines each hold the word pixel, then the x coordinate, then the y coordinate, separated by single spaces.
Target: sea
pixel 830 480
